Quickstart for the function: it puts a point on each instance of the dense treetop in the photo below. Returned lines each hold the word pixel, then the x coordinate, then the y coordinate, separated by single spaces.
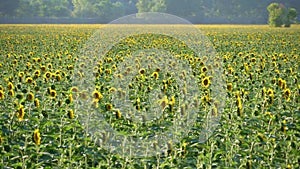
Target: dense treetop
pixel 195 10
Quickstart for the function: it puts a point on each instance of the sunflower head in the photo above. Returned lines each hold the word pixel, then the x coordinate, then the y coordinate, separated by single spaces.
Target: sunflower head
pixel 155 75
pixel 30 96
pixel 11 93
pixel 270 92
pixel 203 69
pixel 10 86
pixel 287 94
pixel 74 89
pixel 21 74
pixel 36 137
pixel 109 107
pixel 118 114
pixel 36 102
pixel 205 82
pixel 97 95
pixel 229 86
pixel 1 94
pixel 71 114
pixel 21 113
pixel 37 73
pixel 29 80
pixel 142 71
pixel 52 93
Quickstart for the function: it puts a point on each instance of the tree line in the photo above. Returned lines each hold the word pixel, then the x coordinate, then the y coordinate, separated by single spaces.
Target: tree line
pixel 107 10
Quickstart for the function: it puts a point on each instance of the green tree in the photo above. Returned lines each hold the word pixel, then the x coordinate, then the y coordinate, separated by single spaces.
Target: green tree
pixel 43 8
pixel 82 9
pixel 144 5
pixel 291 16
pixel 276 12
pixel 280 15
pixel 158 6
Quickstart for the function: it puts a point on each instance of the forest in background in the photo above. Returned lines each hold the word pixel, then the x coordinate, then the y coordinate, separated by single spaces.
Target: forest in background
pixel 104 11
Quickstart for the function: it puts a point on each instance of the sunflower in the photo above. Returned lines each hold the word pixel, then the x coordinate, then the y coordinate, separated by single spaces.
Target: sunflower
pixel 58 77
pixel 15 62
pixel 71 114
pixel 36 137
pixel 30 96
pixel 114 67
pixel 97 95
pixel 53 75
pixel 229 86
pixel 21 113
pixel 21 74
pixel 95 103
pixel 240 110
pixel 47 75
pixel 1 94
pixel 43 68
pixel 118 114
pixel 205 99
pixel 238 101
pixel 112 90
pixel 57 72
pixel 74 89
pixel 36 102
pixel 287 94
pixel 137 106
pixel 155 75
pixel 284 127
pixel 280 82
pixel 28 65
pixel 108 71
pixel 52 93
pixel 164 102
pixel 11 93
pixel 172 100
pixel 206 82
pixel 109 60
pixel 49 66
pixel 109 107
pixel 37 73
pixel 142 71
pixel 203 69
pixel 230 70
pixel 70 67
pixel 70 99
pixel 274 80
pixel 165 87
pixel 29 80
pixel 270 93
pixel 172 103
pixel 10 86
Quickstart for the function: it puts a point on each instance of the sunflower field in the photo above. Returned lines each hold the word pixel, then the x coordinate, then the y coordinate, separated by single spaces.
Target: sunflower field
pixel 40 124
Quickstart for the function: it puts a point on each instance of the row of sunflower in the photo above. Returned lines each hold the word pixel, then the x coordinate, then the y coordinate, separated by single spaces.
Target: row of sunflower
pixel 40 125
